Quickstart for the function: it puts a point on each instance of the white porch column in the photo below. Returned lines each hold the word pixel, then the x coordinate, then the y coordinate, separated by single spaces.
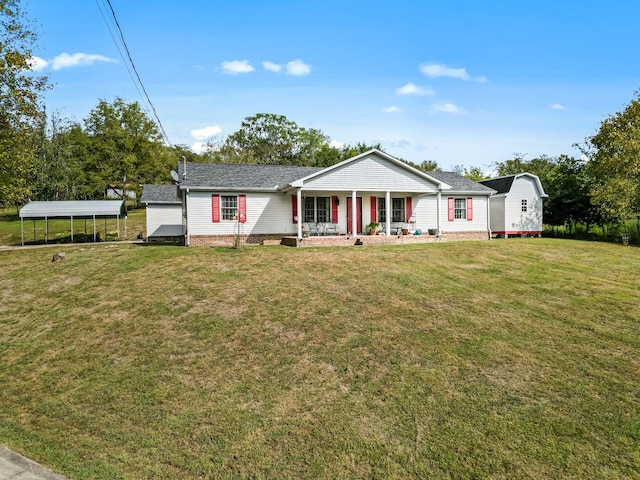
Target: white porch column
pixel 300 216
pixel 439 210
pixel 354 220
pixel 387 206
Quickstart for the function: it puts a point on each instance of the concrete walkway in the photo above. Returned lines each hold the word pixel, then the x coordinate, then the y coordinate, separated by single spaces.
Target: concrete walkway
pixel 16 467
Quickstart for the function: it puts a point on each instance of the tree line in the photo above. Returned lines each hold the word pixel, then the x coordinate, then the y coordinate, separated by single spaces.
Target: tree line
pixel 46 157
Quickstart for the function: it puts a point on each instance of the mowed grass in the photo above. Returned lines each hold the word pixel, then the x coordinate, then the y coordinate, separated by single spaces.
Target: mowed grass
pixel 504 359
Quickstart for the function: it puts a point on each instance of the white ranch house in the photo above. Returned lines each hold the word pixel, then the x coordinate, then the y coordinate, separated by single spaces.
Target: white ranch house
pixel 217 204
pixel 516 208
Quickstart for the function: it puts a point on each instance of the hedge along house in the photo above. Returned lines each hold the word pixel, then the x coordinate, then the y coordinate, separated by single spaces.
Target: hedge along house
pixel 516 209
pixel 224 204
pixel 73 210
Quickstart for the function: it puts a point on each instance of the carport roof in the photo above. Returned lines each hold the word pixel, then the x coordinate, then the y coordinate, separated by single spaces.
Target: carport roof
pixel 74 208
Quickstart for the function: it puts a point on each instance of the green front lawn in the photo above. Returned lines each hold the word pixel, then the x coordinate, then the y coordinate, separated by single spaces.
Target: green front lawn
pixel 502 359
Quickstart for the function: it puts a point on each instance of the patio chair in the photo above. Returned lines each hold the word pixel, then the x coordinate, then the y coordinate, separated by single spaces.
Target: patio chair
pixel 331 228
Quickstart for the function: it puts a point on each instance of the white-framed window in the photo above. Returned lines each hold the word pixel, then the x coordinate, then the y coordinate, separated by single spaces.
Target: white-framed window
pixel 317 210
pixel 382 209
pixel 397 210
pixel 460 208
pixel 524 205
pixel 229 207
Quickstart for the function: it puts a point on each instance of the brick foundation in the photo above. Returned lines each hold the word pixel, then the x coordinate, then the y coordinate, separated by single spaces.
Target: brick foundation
pixel 230 240
pixel 342 240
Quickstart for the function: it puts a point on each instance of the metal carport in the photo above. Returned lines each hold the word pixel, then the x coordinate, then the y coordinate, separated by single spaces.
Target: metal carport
pixel 73 209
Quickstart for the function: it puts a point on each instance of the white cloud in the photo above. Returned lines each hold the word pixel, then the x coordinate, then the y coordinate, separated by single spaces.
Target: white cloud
pixel 557 106
pixel 65 60
pixel 392 109
pixel 237 66
pixel 298 68
pixel 206 132
pixel 200 147
pixel 435 70
pixel 448 108
pixel 336 144
pixel 272 67
pixel 37 64
pixel 412 89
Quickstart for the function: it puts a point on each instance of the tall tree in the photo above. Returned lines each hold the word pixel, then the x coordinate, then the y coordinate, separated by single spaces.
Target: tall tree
pixel 425 166
pixel 125 146
pixel 271 139
pixel 21 109
pixel 614 163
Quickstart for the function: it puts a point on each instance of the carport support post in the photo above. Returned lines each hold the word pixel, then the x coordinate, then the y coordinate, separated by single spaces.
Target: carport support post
pixel 94 229
pixel 71 229
pixel 46 229
pixel 22 230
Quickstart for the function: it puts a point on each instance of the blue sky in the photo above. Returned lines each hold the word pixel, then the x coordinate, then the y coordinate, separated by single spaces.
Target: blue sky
pixel 459 82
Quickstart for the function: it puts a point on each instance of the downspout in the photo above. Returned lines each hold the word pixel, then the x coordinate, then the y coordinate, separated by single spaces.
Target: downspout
pixel 489 217
pixel 439 207
pixel 185 217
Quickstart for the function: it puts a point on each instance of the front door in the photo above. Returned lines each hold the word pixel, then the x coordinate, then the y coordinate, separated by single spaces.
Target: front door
pixel 358 213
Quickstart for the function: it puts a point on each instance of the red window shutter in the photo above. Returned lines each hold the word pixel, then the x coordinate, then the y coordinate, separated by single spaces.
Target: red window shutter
pixel 374 209
pixel 215 208
pixel 242 208
pixel 294 208
pixel 451 207
pixel 469 208
pixel 334 209
pixel 408 209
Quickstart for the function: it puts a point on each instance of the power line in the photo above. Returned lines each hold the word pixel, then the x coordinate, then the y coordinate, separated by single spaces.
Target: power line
pixel 133 66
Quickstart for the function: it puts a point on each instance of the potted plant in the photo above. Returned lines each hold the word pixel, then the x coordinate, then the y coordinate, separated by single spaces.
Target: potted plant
pixel 373 227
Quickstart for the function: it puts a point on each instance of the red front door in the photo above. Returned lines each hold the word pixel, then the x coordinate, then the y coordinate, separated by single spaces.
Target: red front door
pixel 358 214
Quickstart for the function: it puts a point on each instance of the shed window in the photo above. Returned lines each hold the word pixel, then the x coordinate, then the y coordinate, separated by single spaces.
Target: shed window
pixel 524 205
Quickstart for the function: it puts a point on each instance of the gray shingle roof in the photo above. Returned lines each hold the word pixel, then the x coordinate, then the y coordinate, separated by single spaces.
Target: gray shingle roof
pixel 459 183
pixel 500 184
pixel 231 176
pixel 160 194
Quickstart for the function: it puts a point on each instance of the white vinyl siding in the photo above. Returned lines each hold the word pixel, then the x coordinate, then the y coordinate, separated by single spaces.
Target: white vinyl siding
pixel 370 174
pixel 164 220
pixel 478 223
pixel 266 213
pixel 523 189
